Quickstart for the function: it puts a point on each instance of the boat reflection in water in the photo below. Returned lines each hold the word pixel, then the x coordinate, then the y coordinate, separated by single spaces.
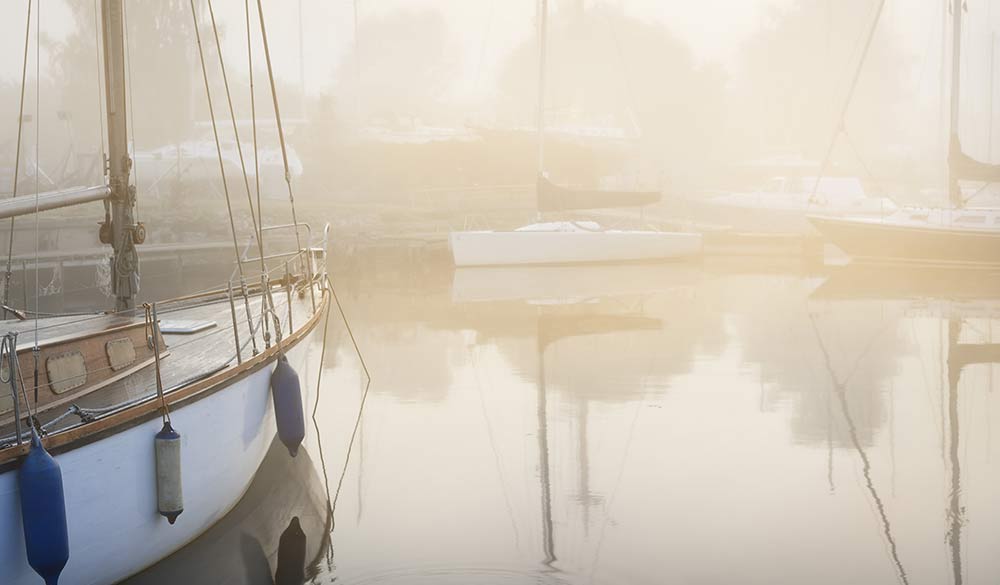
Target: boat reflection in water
pixel 731 422
pixel 965 304
pixel 278 534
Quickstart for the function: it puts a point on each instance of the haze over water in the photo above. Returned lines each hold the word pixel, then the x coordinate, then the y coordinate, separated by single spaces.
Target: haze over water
pixel 754 421
pixel 747 415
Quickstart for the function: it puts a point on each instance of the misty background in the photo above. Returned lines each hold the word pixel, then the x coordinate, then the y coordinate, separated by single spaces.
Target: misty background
pixel 409 110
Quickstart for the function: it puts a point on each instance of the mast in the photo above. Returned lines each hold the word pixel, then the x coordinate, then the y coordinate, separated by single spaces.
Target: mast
pixel 119 228
pixel 302 67
pixel 989 137
pixel 955 512
pixel 543 13
pixel 548 532
pixel 954 191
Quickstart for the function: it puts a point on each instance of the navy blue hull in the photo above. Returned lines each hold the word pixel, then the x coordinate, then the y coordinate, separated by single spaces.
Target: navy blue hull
pixel 904 243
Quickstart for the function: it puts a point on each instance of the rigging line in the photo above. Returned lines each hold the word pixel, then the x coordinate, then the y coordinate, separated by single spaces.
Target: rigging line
pixel 614 492
pixel 626 78
pixel 319 434
pixel 38 139
pixel 243 167
pixel 322 359
pixel 218 145
pixel 840 390
pixel 17 158
pixel 328 526
pixel 100 96
pixel 350 446
pixel 253 124
pixel 236 132
pixel 857 153
pixel 277 118
pixel 347 325
pixel 474 355
pixel 847 100
pixel 542 9
pixel 131 103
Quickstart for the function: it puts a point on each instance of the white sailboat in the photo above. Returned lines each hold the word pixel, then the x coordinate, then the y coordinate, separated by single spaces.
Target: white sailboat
pixel 958 235
pixel 126 434
pixel 561 242
pixel 782 205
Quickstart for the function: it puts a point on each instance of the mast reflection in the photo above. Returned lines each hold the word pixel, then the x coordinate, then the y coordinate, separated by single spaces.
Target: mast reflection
pixel 953 296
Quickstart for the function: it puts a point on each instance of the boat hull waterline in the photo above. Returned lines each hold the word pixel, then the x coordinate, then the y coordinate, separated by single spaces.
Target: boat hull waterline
pixel 110 484
pixel 869 240
pixel 503 248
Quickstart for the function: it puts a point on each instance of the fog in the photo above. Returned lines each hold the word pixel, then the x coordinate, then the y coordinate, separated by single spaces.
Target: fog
pixel 683 270
pixel 385 101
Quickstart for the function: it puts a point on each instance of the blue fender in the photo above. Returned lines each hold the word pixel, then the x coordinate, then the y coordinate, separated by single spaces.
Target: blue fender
pixel 43 513
pixel 287 395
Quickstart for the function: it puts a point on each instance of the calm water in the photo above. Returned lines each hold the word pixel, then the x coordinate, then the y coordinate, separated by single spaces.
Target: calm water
pixel 744 421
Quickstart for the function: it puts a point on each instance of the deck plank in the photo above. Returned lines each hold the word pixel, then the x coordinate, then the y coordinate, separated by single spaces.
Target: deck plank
pixel 186 356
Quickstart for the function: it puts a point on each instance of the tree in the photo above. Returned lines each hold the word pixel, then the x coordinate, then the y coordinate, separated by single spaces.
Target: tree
pixel 160 49
pixel 405 64
pixel 607 68
pixel 796 73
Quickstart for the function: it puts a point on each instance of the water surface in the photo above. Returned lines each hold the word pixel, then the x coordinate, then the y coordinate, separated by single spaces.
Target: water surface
pixel 751 421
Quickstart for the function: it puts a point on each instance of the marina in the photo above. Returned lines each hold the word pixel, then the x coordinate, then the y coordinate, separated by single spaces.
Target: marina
pixel 536 291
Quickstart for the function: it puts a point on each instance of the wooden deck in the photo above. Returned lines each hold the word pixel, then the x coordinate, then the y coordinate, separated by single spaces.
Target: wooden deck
pixel 187 357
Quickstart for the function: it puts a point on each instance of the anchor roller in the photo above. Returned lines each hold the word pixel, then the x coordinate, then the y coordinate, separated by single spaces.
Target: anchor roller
pixel 287 395
pixel 169 492
pixel 43 512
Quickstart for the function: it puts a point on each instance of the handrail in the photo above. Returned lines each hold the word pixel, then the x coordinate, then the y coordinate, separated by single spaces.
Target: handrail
pixel 293 226
pixel 286 225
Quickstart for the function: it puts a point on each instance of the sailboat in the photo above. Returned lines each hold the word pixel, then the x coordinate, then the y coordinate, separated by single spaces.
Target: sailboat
pixel 569 241
pixel 781 205
pixel 126 434
pixel 957 235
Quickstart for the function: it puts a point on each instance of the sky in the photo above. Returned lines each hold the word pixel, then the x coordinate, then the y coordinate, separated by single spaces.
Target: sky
pixel 483 32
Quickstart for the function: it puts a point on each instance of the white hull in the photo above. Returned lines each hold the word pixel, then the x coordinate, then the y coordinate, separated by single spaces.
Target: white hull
pixel 114 528
pixel 488 248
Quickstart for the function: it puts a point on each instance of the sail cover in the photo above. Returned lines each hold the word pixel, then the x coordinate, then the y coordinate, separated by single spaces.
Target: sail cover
pixel 966 168
pixel 552 197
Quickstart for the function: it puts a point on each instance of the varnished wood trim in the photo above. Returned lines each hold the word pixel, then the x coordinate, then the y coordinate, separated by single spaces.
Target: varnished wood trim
pixel 134 415
pixel 79 336
pixel 76 396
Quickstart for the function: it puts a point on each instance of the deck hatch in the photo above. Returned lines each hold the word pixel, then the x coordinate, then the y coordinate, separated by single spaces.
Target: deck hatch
pixel 121 353
pixel 66 371
pixel 185 326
